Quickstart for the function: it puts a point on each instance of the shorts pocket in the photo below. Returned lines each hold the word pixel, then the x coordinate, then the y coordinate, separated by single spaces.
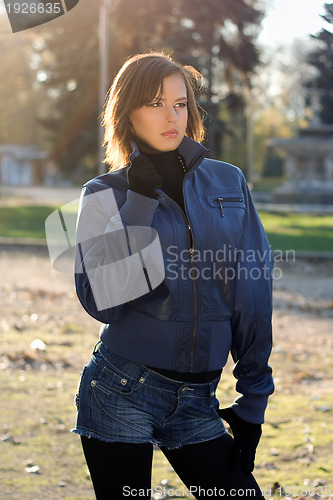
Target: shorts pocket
pixel 111 381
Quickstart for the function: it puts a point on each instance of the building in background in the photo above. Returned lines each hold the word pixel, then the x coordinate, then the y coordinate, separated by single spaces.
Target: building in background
pixel 24 166
pixel 308 161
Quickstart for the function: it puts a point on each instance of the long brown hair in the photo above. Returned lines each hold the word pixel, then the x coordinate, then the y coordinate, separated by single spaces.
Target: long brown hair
pixel 137 83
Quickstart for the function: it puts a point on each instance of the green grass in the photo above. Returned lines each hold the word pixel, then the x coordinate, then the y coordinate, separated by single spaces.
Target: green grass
pixel 300 232
pixel 24 221
pixel 285 230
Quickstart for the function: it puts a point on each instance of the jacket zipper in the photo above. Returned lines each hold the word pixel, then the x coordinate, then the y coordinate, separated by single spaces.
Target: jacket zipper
pixel 191 250
pixel 195 294
pixel 220 201
pixel 195 313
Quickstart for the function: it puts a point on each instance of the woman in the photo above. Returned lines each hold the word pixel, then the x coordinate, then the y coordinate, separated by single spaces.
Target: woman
pixel 175 264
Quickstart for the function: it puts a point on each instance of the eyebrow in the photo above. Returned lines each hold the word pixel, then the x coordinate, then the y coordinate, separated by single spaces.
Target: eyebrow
pixel 176 100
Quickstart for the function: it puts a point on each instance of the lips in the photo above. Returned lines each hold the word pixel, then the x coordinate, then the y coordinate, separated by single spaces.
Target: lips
pixel 170 133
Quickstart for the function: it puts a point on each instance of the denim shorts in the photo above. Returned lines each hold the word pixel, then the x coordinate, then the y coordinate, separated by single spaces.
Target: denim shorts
pixel 122 401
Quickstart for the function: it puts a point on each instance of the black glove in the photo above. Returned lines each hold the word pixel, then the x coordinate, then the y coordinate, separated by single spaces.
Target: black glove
pixel 143 178
pixel 246 440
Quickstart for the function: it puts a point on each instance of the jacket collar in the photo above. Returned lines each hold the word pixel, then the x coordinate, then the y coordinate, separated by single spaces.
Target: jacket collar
pixel 192 152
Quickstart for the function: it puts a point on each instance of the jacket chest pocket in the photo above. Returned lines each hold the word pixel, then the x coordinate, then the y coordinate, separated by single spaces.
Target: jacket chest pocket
pixel 225 202
pixel 226 211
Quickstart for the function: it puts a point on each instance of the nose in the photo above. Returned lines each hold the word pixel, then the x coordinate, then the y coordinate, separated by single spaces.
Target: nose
pixel 171 114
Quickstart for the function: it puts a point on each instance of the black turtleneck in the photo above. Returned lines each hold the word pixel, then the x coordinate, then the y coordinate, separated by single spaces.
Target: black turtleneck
pixel 171 170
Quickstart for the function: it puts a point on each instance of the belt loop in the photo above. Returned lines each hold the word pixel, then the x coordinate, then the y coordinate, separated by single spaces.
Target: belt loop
pixel 143 377
pixel 96 348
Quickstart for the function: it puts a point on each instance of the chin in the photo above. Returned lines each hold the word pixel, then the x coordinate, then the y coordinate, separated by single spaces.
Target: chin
pixel 171 144
pixel 159 145
pixel 169 147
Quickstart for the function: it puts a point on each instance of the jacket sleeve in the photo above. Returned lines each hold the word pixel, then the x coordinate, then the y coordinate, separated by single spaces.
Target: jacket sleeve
pixel 251 319
pixel 109 263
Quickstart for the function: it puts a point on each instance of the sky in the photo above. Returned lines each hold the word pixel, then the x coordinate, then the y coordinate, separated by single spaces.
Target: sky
pixel 289 19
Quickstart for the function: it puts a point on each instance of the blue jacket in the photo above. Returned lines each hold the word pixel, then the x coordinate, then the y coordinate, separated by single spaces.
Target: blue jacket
pixel 215 298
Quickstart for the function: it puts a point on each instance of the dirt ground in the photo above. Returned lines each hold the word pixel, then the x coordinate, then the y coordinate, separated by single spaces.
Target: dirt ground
pixel 33 295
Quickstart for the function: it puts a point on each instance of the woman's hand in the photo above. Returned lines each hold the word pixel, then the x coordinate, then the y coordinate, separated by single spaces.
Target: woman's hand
pixel 246 440
pixel 143 178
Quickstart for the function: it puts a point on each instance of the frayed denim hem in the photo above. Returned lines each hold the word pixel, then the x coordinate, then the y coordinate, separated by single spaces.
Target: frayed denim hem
pixel 89 434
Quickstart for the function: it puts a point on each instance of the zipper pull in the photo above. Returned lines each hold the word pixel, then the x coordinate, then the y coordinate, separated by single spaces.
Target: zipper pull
pixel 219 201
pixel 191 238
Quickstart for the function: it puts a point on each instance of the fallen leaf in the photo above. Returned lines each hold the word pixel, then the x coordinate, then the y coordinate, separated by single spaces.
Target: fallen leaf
pixel 38 345
pixel 34 469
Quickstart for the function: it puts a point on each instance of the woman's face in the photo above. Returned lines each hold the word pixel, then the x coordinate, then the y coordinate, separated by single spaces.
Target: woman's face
pixel 162 123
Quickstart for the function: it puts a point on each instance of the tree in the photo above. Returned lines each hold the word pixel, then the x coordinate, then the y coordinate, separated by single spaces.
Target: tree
pixel 18 96
pixel 218 38
pixel 279 97
pixel 322 59
pixel 68 74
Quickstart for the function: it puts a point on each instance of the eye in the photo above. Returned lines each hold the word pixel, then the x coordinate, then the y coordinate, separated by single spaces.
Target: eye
pixel 181 104
pixel 154 104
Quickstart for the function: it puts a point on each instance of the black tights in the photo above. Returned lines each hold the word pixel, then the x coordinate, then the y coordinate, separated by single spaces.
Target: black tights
pixel 117 469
